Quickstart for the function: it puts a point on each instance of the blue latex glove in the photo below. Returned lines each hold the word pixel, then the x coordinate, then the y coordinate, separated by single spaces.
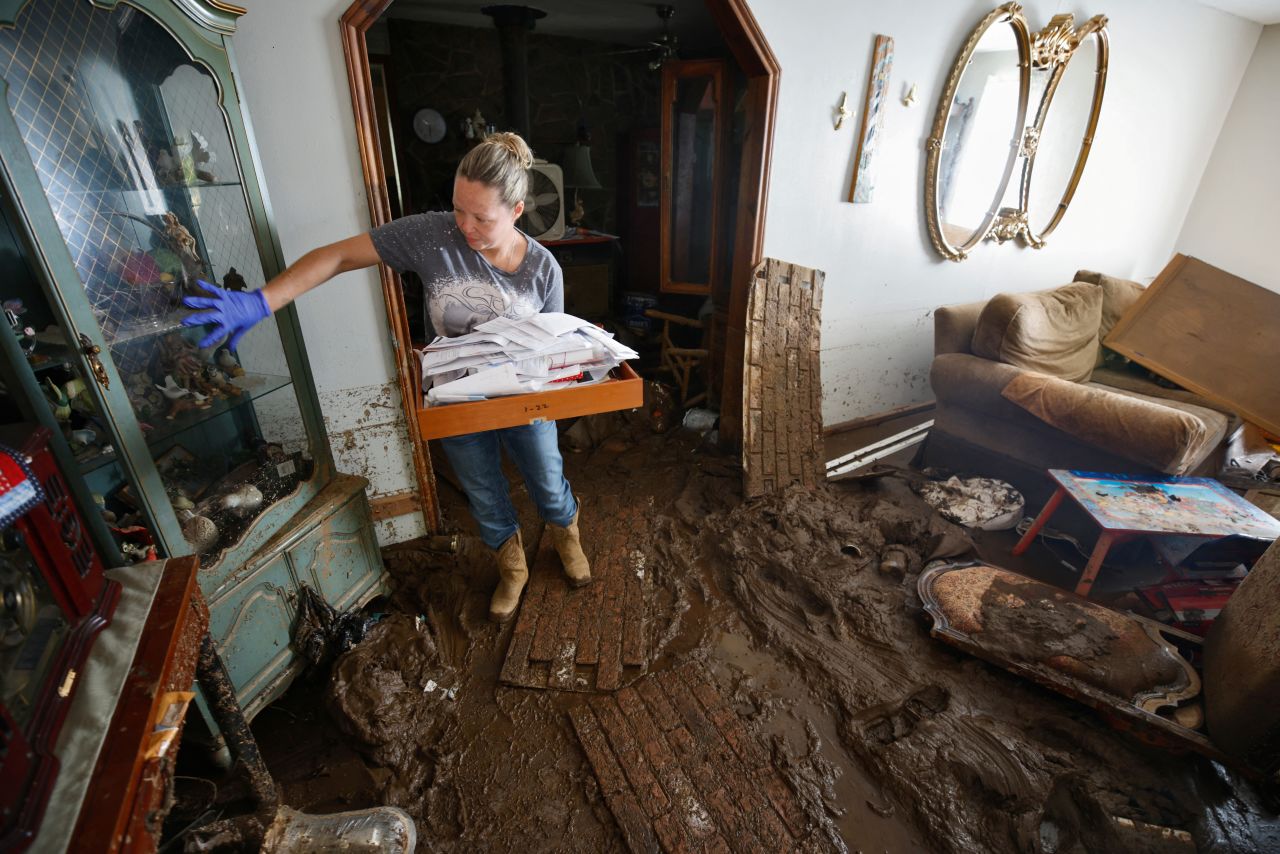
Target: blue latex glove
pixel 231 313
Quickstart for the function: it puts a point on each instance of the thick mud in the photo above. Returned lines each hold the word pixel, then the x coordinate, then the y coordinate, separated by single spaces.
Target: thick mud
pixel 802 607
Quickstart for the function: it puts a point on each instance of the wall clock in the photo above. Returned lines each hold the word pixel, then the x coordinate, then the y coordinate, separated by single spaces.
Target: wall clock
pixel 429 125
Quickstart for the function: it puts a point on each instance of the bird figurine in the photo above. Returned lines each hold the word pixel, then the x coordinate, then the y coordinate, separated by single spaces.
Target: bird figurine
pixel 179 397
pixel 171 389
pixel 228 363
pixel 233 281
pixel 58 400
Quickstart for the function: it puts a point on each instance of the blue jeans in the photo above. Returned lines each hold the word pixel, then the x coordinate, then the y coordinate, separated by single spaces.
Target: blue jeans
pixel 477 461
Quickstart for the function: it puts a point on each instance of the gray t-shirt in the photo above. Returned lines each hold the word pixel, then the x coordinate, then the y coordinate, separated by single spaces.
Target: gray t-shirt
pixel 462 288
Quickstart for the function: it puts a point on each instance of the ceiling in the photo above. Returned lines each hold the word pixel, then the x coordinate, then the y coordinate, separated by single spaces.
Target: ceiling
pixel 635 22
pixel 632 22
pixel 1264 12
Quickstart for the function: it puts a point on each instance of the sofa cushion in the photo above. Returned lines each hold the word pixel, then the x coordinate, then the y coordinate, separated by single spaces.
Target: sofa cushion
pixel 1168 436
pixel 1052 332
pixel 1118 296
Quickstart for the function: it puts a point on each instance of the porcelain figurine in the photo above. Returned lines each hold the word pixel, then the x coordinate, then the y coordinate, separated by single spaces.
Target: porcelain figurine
pixel 179 398
pixel 203 158
pixel 218 380
pixel 177 356
pixel 167 167
pixel 84 436
pixel 182 243
pixel 233 281
pixel 13 310
pixel 244 500
pixel 100 502
pixel 227 361
pixel 57 400
pixel 200 531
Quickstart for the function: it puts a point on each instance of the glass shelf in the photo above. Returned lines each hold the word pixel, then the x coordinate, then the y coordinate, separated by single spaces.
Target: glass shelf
pixel 55 356
pixel 254 386
pixel 144 328
pixel 60 192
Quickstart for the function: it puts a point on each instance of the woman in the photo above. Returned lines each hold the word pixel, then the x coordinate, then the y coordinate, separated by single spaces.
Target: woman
pixel 475 265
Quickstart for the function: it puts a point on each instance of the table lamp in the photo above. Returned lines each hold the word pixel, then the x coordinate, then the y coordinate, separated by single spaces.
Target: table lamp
pixel 578 175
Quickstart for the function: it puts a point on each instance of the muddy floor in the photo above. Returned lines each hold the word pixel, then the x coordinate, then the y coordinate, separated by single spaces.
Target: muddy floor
pixel 894 741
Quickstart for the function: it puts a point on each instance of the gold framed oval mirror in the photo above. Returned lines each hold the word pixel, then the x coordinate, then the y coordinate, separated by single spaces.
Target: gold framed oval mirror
pixel 977 132
pixel 1068 79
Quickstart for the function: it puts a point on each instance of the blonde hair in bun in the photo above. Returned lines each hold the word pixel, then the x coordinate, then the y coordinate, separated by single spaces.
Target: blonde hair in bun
pixel 501 161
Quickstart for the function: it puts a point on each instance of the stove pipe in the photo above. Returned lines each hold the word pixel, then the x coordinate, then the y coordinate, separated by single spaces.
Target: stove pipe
pixel 514 24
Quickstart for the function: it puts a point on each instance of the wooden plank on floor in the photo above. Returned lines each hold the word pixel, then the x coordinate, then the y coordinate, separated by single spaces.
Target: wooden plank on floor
pixel 665 791
pixel 634 653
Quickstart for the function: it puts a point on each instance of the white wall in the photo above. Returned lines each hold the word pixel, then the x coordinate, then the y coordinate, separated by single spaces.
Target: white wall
pixel 295 85
pixel 1235 217
pixel 1174 69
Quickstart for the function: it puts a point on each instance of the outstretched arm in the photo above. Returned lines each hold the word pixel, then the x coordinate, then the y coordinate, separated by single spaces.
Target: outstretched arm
pixel 233 313
pixel 317 267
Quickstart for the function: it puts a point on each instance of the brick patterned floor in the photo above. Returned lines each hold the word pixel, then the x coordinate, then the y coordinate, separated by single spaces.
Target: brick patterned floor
pixel 592 638
pixel 681 772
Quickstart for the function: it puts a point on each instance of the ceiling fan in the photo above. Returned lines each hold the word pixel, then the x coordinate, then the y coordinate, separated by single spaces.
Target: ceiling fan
pixel 665 45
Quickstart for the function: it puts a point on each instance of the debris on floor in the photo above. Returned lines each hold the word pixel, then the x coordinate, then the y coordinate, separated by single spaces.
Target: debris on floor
pixel 885 738
pixel 381 830
pixel 974 502
pixel 321 632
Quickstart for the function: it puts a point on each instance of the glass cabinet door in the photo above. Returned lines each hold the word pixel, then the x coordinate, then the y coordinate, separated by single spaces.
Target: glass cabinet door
pixel 136 159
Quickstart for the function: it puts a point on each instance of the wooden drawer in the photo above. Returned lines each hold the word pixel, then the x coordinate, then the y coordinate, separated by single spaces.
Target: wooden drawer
pixel 624 390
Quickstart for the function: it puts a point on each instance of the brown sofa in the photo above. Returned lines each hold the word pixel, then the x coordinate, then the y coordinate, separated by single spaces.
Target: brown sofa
pixel 1015 420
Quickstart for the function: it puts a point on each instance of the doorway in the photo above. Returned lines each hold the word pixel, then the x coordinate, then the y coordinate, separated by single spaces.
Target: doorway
pixel 756 73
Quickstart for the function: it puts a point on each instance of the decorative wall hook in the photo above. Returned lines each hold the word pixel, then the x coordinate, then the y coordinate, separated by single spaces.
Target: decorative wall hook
pixel 842 112
pixel 910 97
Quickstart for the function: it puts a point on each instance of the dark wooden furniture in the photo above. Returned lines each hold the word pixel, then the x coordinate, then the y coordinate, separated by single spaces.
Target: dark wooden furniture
pixel 587 260
pixel 115 752
pixel 694 139
pixel 54 602
pixel 125 803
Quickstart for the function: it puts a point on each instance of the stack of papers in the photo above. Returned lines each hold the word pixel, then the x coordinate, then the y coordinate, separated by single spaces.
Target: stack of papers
pixel 506 356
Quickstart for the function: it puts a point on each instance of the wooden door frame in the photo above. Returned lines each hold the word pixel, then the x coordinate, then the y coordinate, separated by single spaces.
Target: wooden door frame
pixel 747 43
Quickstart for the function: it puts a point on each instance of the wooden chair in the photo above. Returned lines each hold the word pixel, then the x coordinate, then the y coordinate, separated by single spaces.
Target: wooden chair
pixel 680 361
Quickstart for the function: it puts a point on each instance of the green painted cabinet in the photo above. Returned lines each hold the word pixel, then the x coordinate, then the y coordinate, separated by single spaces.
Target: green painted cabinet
pixel 130 174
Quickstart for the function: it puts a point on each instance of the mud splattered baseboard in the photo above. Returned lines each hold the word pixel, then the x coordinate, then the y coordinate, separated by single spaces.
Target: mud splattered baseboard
pixel 680 771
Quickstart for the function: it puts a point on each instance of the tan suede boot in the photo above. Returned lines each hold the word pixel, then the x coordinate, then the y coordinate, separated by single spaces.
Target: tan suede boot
pixel 570 549
pixel 513 573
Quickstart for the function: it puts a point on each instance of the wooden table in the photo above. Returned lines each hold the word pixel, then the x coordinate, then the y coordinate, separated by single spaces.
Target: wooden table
pixel 1129 506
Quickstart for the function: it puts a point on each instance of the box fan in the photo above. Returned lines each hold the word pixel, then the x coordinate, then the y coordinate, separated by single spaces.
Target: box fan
pixel 543 217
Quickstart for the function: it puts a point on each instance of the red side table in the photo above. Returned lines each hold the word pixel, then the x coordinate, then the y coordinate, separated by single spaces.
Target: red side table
pixel 1129 506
